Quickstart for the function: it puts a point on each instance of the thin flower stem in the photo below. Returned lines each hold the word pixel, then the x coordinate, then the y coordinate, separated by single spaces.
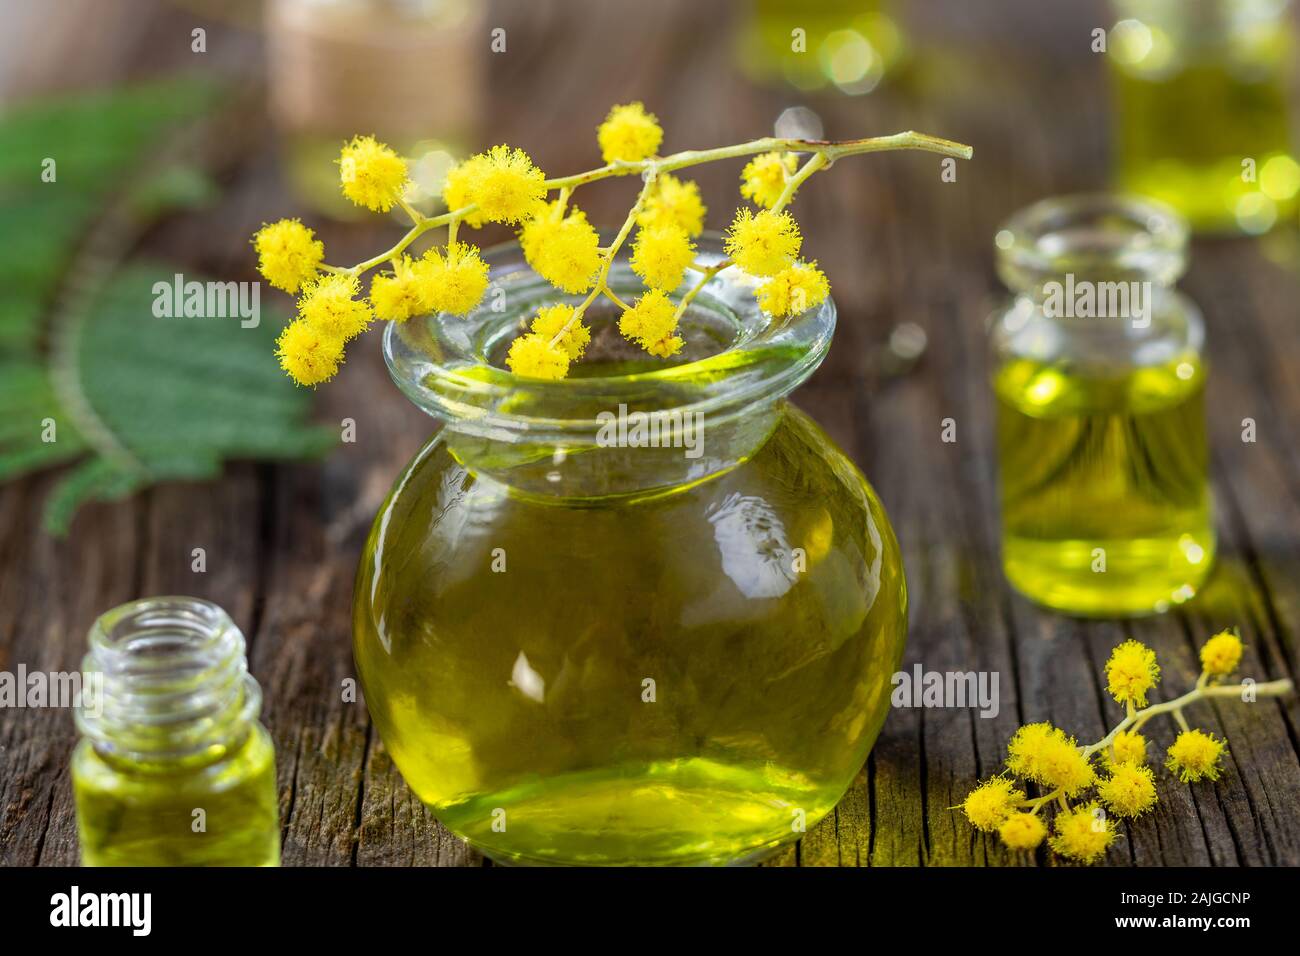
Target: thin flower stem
pixel 1276 688
pixel 415 232
pixel 608 258
pixel 818 161
pixel 609 294
pixel 415 215
pixel 830 150
pixel 696 289
pixel 1037 803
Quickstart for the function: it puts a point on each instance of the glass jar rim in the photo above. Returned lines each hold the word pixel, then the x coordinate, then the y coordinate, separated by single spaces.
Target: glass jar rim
pixel 1115 233
pixel 441 361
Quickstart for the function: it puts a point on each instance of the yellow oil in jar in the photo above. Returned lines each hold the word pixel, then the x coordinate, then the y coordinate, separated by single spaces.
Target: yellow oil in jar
pixel 1105 498
pixel 632 681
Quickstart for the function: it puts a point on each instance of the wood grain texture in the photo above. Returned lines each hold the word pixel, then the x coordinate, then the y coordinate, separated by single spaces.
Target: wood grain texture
pixel 1014 80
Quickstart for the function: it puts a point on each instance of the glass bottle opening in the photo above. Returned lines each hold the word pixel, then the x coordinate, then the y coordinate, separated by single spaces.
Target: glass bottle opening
pixel 175 681
pixel 581 438
pixel 735 355
pixel 1096 236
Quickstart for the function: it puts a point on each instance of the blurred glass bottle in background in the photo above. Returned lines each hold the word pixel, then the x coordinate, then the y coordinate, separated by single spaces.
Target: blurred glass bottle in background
pixel 1200 105
pixel 1098 366
pixel 847 44
pixel 410 72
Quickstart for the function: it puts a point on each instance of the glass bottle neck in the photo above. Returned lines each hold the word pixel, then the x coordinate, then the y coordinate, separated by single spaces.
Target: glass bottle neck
pixel 174 687
pixel 1098 258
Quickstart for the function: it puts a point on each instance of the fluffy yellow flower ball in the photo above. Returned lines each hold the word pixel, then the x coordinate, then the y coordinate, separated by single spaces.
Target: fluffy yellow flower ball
pixel 651 323
pixel 1128 747
pixel 1221 654
pixel 503 183
pixel 1083 834
pixel 1131 672
pixel 793 291
pixel 1129 790
pixel 534 356
pixel 309 356
pixel 551 319
pixel 1022 831
pixel 673 202
pixel 329 305
pixel 661 255
pixel 288 254
pixel 457 278
pixel 765 243
pixel 989 804
pixel 371 174
pixel 402 293
pixel 1045 754
pixel 563 250
pixel 629 134
pixel 762 181
pixel 1195 755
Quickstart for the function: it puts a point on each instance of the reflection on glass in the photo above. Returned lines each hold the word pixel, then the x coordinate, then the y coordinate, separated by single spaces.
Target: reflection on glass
pixel 1200 88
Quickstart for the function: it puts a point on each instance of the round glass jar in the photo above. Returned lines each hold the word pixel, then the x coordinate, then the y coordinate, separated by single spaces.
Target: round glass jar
pixel 648 614
pixel 1099 374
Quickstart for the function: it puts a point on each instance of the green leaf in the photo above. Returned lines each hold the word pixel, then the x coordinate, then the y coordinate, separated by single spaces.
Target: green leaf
pixel 100 382
pixel 154 399
pixel 96 143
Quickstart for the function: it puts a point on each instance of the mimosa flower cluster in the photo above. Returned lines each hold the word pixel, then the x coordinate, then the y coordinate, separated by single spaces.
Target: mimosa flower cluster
pixel 504 185
pixel 1091 785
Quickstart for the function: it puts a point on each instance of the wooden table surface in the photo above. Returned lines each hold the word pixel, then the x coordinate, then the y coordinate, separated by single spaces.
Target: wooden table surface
pixel 1014 79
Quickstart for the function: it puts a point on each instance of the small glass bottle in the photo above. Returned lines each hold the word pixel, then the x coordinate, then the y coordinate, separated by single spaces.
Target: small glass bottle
pixel 174 768
pixel 1200 92
pixel 1099 376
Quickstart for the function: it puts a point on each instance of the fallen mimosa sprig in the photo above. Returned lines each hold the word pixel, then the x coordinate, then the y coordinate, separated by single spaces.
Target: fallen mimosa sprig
pixel 1045 755
pixel 503 185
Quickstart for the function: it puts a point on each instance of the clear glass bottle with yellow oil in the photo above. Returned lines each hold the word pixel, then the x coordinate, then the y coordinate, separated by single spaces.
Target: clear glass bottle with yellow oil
pixel 1099 376
pixel 173 768
pixel 1201 122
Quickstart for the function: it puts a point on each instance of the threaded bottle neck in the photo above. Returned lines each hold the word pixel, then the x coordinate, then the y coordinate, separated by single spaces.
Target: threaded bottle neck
pixel 174 684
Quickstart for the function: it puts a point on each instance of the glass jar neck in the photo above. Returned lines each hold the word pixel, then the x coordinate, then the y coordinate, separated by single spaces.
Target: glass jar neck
pixel 1098 259
pixel 632 452
pixel 174 687
pixel 623 423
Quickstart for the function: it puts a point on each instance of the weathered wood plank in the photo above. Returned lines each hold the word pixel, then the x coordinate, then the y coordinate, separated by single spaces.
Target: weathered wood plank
pixel 50 594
